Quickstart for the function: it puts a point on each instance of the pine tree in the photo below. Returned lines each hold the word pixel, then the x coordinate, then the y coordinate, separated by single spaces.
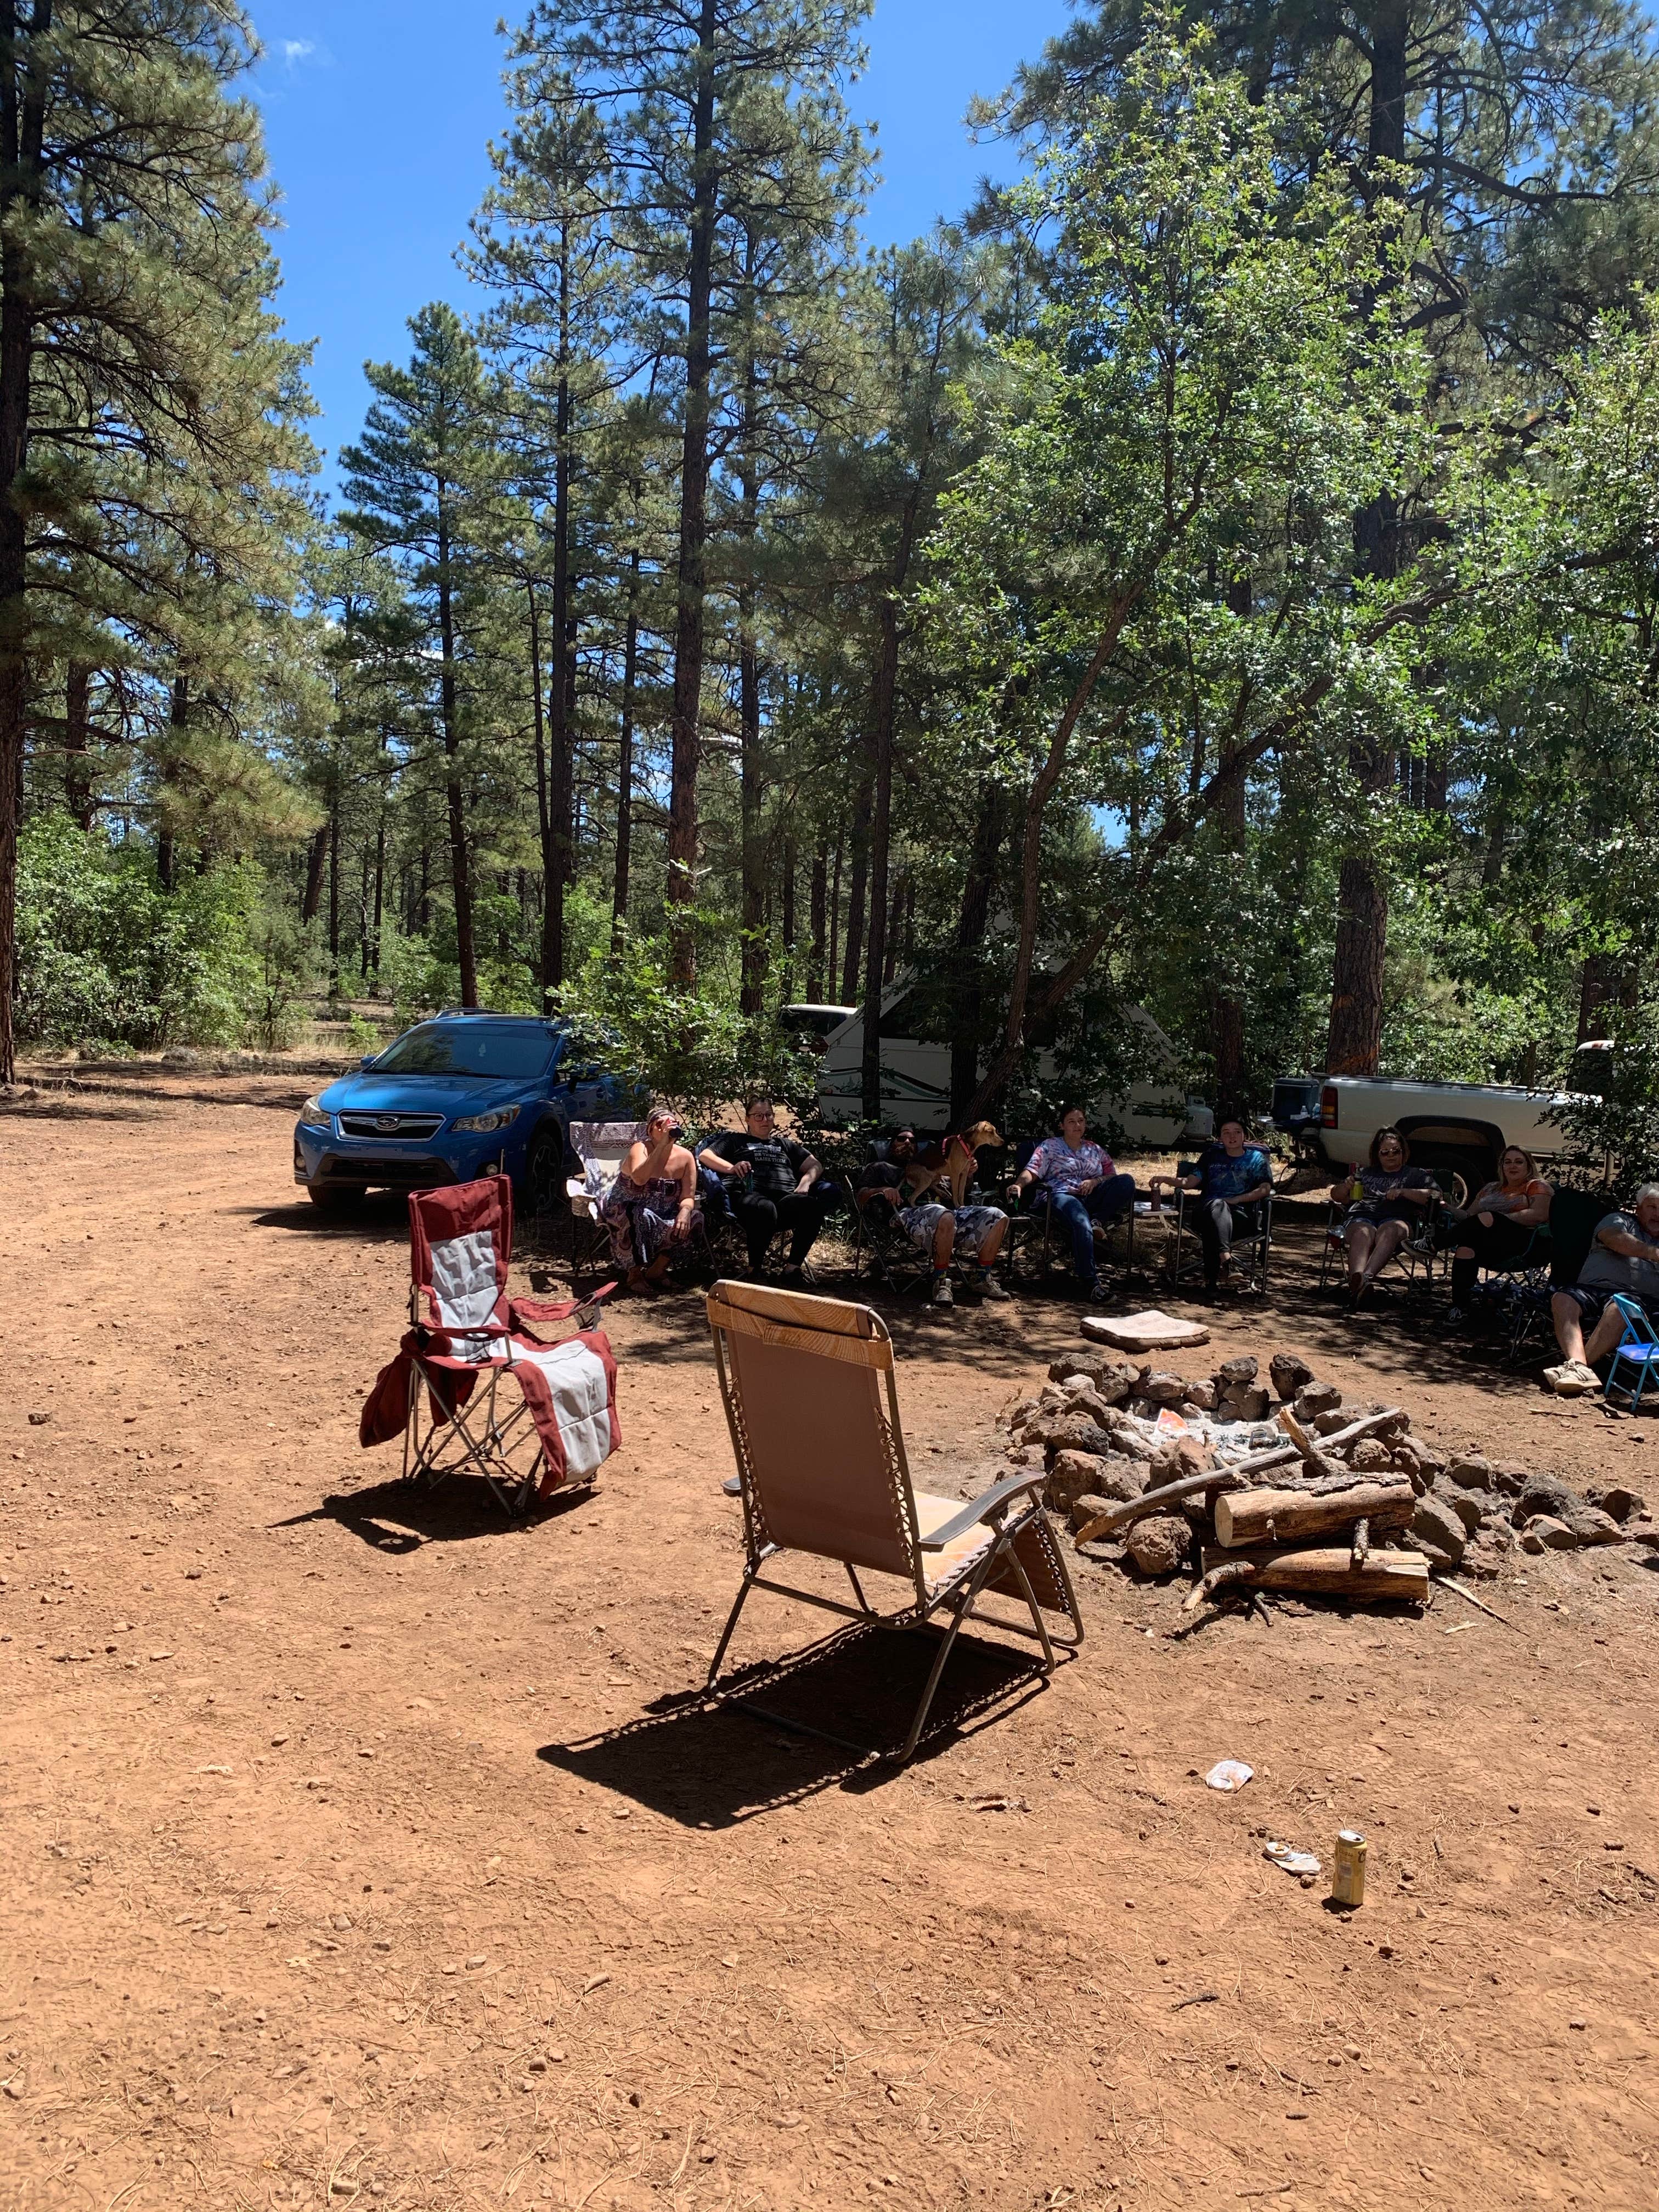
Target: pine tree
pixel 148 411
pixel 419 483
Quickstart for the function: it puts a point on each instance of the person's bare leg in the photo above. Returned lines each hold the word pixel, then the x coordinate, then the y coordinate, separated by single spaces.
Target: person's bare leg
pixel 1567 1315
pixel 944 1240
pixel 1360 1236
pixel 1389 1239
pixel 1606 1333
pixel 991 1243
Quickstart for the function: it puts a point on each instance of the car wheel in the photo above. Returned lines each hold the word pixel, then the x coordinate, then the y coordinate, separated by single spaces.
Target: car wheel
pixel 544 1169
pixel 335 1197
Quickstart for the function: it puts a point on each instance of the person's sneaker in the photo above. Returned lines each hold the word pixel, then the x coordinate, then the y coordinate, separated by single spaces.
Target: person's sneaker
pixel 943 1294
pixel 1570 1379
pixel 990 1288
pixel 1455 1316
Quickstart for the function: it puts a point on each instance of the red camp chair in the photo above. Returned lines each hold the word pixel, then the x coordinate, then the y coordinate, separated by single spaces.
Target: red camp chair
pixel 559 1424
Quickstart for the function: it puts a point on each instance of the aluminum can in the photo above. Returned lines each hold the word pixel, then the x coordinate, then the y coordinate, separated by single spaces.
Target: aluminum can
pixel 1348 1872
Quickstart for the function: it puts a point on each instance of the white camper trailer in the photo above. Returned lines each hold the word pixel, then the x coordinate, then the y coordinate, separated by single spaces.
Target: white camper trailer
pixel 915 1078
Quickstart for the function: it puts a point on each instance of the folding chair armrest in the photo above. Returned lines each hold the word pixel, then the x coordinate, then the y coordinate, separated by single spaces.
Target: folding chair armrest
pixel 980 1508
pixel 554 1308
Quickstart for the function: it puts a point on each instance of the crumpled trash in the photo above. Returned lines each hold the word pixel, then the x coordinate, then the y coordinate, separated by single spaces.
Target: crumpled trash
pixel 1228 1774
pixel 1292 1860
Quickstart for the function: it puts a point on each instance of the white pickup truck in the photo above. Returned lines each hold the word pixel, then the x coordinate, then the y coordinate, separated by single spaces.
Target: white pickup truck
pixel 1461 1126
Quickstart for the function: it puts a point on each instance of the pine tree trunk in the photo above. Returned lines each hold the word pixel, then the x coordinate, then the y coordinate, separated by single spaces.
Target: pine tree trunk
pixel 22 116
pixel 166 866
pixel 1355 1042
pixel 459 871
pixel 819 897
pixel 967 996
pixel 685 728
pixel 77 745
pixel 312 900
pixel 752 793
pixel 374 968
pixel 334 896
pixel 625 764
pixel 883 697
pixel 852 957
pixel 832 962
pixel 787 982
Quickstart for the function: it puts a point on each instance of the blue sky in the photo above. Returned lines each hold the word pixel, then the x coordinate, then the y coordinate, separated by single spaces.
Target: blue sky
pixel 377 113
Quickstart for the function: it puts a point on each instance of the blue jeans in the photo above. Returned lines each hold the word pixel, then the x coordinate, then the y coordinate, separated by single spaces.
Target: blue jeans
pixel 1107 1201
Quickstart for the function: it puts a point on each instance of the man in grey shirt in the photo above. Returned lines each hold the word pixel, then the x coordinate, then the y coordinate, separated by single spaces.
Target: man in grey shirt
pixel 1624 1259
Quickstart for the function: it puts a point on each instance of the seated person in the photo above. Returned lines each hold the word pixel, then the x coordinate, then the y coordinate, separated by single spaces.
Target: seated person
pixel 1390 1195
pixel 912 1190
pixel 1079 1184
pixel 1499 1227
pixel 773 1183
pixel 651 1206
pixel 1624 1257
pixel 1233 1177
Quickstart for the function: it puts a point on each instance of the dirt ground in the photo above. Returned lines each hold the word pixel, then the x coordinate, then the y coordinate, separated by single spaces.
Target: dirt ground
pixel 365 1847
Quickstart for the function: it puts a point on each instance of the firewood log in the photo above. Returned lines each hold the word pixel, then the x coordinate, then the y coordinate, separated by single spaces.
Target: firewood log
pixel 1257 1517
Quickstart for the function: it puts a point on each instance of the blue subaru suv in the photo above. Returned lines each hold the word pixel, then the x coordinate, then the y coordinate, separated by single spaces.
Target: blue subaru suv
pixel 460 1096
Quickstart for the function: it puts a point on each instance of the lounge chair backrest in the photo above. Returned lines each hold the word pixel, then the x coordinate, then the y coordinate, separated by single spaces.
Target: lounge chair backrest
pixel 1575 1216
pixel 601 1148
pixel 460 1240
pixel 808 1384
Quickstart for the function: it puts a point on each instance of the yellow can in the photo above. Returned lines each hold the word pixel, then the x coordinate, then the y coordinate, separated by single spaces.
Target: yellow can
pixel 1348 1873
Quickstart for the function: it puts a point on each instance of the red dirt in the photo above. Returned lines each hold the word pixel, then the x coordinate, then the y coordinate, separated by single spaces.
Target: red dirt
pixel 311 1899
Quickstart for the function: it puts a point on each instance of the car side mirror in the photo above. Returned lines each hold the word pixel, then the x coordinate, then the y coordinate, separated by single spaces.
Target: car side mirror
pixel 369 1060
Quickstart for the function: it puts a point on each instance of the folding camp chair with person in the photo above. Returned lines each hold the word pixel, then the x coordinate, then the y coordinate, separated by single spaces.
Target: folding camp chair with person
pixel 601 1148
pixel 443 1393
pixel 811 1403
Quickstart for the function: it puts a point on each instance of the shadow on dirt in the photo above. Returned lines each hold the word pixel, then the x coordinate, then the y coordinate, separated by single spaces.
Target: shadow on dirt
pixel 396 1517
pixel 715 1764
pixel 382 1218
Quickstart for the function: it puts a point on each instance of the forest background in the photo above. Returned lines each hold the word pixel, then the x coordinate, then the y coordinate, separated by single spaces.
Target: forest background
pixel 1217 573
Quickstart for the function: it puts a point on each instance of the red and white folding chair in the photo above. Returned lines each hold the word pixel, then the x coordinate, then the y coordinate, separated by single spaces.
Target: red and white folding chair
pixel 443 1392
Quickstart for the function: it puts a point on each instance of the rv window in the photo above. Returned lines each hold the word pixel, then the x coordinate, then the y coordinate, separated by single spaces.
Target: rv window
pixel 915 1018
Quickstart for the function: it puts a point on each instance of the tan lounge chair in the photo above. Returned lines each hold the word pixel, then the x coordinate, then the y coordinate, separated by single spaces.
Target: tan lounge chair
pixel 821 1468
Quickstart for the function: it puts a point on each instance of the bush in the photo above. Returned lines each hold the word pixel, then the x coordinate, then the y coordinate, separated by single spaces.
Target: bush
pixel 1615 1140
pixel 106 956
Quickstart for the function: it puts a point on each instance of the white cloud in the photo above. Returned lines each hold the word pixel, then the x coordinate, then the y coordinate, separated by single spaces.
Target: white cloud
pixel 296 50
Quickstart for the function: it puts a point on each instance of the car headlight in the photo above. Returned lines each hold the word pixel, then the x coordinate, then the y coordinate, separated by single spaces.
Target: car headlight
pixel 480 1125
pixel 315 1112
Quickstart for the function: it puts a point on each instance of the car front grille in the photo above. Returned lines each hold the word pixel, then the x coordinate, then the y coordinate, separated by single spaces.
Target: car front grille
pixel 396 1171
pixel 396 1127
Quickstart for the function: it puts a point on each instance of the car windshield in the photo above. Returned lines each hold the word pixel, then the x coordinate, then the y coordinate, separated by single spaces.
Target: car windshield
pixel 515 1049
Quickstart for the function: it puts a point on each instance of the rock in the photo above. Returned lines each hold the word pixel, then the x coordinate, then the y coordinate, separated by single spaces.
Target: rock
pixel 1289 1373
pixel 1162 1388
pixel 1509 1477
pixel 1471 1471
pixel 1120 1479
pixel 1248 1402
pixel 1613 1497
pixel 1235 1374
pixel 1316 1398
pixel 1369 1455
pixel 1071 1384
pixel 1543 1496
pixel 1086 1508
pixel 1468 1508
pixel 1203 1396
pixel 1017 1415
pixel 1173 1458
pixel 1151 1331
pixel 1434 1522
pixel 1020 1455
pixel 1070 1476
pixel 38 1420
pixel 1058 1432
pixel 1113 1378
pixel 1327 1424
pixel 1545 1533
pixel 1087 1399
pixel 1129 1442
pixel 1189 1412
pixel 1442 1560
pixel 1159 1544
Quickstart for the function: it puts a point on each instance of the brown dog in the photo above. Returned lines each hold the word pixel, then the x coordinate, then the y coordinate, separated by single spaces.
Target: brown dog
pixel 951 1161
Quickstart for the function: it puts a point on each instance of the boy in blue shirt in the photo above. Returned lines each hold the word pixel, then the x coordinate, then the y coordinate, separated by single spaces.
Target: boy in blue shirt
pixel 1233 1177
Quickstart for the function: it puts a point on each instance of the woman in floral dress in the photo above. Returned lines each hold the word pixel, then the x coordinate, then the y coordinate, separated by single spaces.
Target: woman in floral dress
pixel 651 1206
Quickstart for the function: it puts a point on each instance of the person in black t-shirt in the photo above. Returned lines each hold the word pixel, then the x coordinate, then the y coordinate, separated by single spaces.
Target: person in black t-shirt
pixel 773 1183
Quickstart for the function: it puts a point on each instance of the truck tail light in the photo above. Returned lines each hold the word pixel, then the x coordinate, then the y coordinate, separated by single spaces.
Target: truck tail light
pixel 1327 1107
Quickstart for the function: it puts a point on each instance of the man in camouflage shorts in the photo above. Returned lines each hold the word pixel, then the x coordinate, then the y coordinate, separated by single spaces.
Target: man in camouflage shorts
pixel 976 1231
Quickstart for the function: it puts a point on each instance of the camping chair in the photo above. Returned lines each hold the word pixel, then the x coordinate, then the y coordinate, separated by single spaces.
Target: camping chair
pixel 1575 1216
pixel 601 1148
pixel 1419 1260
pixel 812 1406
pixel 1638 1349
pixel 443 1391
pixel 1254 1237
pixel 1037 1241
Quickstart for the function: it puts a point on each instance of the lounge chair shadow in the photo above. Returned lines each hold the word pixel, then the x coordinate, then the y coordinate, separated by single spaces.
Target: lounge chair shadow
pixel 397 1516
pixel 713 1764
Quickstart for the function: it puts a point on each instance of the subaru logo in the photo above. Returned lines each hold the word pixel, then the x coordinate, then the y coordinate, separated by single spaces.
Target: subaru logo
pixel 385 1121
